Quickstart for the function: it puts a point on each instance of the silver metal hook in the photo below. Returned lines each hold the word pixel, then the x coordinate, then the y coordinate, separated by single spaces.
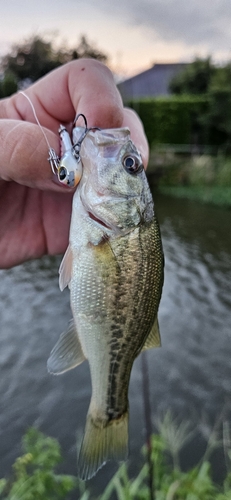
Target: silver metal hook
pixel 83 116
pixel 77 146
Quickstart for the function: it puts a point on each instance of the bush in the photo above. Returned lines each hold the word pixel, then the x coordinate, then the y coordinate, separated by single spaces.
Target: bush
pixel 8 85
pixel 172 120
pixel 223 174
pixel 34 477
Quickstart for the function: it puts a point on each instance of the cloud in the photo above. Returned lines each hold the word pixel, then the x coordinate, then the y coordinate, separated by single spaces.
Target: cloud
pixel 141 30
pixel 195 23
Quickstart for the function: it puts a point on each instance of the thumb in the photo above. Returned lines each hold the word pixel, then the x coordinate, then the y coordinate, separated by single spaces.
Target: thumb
pixel 24 154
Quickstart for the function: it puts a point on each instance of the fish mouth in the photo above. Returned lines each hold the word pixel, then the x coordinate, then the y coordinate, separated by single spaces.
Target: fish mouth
pixel 99 221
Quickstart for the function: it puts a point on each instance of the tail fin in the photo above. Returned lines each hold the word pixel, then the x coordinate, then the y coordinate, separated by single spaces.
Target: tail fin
pixel 102 442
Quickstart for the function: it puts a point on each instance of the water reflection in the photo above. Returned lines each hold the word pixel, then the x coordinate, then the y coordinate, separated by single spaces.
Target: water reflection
pixel 190 374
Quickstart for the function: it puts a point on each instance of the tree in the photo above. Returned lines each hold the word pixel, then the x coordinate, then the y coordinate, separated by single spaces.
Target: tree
pixel 31 59
pixel 35 57
pixel 203 77
pixel 218 116
pixel 84 49
pixel 8 85
pixel 195 79
pixel 221 80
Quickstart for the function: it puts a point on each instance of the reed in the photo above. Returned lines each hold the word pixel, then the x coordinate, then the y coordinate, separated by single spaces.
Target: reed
pixel 34 473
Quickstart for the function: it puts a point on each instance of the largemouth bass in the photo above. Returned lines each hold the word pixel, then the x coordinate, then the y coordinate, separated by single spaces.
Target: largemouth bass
pixel 114 269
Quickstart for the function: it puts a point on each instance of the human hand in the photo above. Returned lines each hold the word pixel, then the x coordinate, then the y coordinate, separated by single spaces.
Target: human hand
pixel 35 210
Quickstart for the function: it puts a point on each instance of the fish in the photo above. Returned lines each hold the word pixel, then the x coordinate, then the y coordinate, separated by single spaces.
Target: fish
pixel 113 267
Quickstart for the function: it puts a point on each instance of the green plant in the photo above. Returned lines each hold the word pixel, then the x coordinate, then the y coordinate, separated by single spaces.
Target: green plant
pixel 170 481
pixel 172 120
pixel 36 56
pixel 8 85
pixel 34 477
pixel 195 78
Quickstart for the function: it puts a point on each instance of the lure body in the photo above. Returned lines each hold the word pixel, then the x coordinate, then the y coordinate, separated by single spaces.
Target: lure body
pixel 69 170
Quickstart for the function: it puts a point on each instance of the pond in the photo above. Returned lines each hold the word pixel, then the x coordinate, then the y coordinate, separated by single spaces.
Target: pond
pixel 190 374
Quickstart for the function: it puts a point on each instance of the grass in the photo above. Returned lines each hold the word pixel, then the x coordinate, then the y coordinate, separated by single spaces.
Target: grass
pixel 216 195
pixel 34 476
pixel 203 178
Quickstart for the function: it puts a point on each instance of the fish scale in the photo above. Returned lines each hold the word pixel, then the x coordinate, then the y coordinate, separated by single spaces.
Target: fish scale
pixel 114 269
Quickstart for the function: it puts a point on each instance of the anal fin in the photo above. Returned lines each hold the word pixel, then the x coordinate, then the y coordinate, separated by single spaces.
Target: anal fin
pixel 67 353
pixel 153 339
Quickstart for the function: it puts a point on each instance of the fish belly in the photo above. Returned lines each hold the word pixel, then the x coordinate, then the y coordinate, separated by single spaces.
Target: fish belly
pixel 115 293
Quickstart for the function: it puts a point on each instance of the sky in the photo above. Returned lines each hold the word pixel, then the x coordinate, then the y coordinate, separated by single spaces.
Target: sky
pixel 134 34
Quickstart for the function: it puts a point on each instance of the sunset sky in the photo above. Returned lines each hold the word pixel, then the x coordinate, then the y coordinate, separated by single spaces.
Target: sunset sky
pixel 133 33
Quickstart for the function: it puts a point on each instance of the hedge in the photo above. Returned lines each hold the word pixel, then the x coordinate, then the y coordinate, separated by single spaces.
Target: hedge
pixel 173 120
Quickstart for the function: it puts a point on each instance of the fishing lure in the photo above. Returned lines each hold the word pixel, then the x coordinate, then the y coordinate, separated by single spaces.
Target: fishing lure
pixel 67 167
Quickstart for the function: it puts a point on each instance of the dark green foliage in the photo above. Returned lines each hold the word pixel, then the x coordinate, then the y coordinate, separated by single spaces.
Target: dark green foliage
pixel 187 119
pixel 195 78
pixel 204 177
pixel 170 481
pixel 85 49
pixel 217 119
pixel 213 195
pixel 221 79
pixel 8 85
pixel 35 57
pixel 34 477
pixel 173 120
pixel 203 77
pixel 32 59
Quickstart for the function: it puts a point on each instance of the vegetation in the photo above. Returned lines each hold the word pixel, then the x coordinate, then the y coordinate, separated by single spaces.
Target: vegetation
pixel 195 79
pixel 171 120
pixel 203 177
pixel 197 113
pixel 213 195
pixel 193 120
pixel 8 85
pixel 202 77
pixel 33 58
pixel 34 475
pixel 190 134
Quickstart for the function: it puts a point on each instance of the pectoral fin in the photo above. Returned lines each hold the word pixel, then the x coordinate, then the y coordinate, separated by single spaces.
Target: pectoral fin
pixel 153 339
pixel 65 269
pixel 67 353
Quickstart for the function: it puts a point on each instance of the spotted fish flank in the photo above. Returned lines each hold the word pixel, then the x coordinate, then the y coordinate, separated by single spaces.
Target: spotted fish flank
pixel 114 269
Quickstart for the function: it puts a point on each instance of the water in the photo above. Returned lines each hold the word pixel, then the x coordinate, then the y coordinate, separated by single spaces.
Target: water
pixel 190 374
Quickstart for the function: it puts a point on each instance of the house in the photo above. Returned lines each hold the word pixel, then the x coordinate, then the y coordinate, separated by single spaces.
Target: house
pixel 150 83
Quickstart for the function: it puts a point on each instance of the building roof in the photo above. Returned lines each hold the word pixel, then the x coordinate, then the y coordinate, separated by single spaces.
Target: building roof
pixel 152 82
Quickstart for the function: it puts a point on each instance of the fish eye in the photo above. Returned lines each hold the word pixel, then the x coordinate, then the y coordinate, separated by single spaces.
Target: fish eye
pixel 62 173
pixel 132 164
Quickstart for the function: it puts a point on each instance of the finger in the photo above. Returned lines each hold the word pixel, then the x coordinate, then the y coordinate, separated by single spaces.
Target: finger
pixel 24 153
pixel 133 122
pixel 83 86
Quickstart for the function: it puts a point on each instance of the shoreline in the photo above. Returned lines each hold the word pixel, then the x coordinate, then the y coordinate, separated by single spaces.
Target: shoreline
pixel 219 196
